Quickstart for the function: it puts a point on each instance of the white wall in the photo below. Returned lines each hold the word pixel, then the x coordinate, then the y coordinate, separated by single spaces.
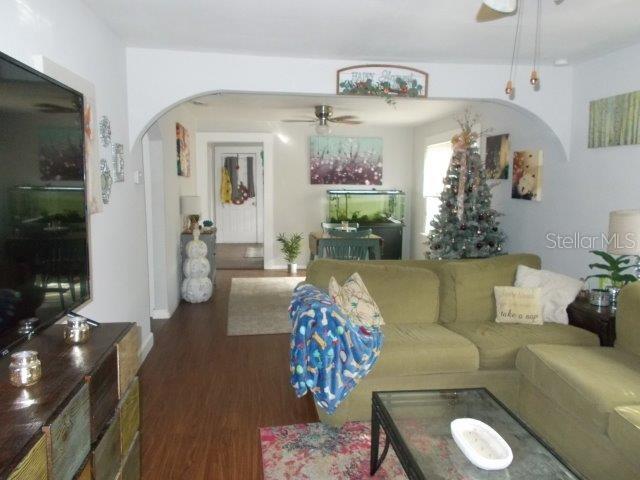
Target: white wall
pixel 577 193
pixel 68 33
pixel 167 188
pixel 160 79
pixel 301 207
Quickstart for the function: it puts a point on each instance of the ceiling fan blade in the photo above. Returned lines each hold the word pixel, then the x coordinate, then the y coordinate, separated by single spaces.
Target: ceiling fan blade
pixel 292 120
pixel 347 122
pixel 342 118
pixel 486 14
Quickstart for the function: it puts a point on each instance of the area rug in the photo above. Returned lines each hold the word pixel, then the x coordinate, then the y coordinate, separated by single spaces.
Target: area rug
pixel 314 451
pixel 258 306
pixel 254 252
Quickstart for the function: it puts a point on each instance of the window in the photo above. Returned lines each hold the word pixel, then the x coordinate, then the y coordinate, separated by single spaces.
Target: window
pixel 436 162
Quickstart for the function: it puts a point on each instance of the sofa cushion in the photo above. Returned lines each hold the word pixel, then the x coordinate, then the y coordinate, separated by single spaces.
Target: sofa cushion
pixel 589 382
pixel 422 349
pixel 404 295
pixel 499 343
pixel 624 431
pixel 467 286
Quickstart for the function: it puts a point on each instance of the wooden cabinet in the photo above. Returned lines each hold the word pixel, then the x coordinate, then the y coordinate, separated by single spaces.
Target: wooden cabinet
pixel 130 416
pixel 128 360
pixel 69 437
pixel 131 464
pixel 103 393
pixel 34 465
pixel 106 455
pixel 81 420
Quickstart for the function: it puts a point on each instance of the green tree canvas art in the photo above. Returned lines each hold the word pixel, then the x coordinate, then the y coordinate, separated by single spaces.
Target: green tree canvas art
pixel 615 121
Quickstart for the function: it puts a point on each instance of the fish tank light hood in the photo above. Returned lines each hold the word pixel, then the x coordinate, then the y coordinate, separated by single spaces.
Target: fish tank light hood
pixel 366 207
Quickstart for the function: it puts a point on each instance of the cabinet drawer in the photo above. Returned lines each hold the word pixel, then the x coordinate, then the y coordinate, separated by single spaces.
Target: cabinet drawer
pixel 69 437
pixel 131 464
pixel 85 473
pixel 34 465
pixel 106 456
pixel 128 362
pixel 130 416
pixel 103 393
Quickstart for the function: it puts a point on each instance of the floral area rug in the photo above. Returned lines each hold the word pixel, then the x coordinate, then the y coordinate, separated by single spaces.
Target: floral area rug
pixel 315 451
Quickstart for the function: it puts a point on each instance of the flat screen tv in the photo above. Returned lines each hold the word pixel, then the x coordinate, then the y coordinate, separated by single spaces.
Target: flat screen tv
pixel 44 259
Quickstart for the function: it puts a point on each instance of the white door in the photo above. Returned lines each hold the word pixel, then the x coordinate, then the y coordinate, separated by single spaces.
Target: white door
pixel 239 211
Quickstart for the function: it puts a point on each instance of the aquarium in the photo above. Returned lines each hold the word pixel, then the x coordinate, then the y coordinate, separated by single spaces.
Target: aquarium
pixel 366 206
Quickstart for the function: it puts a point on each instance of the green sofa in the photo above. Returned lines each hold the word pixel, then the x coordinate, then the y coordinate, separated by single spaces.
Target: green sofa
pixel 440 333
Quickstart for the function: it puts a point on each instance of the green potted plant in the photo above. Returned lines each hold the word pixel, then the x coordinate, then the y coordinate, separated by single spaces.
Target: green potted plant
pixel 615 269
pixel 290 248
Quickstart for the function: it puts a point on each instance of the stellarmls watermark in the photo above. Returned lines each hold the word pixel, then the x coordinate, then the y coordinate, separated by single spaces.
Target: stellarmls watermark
pixel 602 241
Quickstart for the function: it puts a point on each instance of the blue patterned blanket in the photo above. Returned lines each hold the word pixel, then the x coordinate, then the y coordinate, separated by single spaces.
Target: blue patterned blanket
pixel 329 354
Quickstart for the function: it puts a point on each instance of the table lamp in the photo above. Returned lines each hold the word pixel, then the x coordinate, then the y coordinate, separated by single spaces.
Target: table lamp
pixel 624 234
pixel 190 206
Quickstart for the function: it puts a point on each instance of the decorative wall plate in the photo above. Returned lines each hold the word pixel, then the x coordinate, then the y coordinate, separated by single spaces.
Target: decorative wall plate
pixel 118 162
pixel 105 180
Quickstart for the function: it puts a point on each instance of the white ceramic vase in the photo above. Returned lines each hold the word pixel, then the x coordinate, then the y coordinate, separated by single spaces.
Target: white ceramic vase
pixel 196 286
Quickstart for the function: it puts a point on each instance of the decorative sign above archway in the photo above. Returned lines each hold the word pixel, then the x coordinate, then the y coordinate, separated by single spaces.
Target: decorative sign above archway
pixel 387 81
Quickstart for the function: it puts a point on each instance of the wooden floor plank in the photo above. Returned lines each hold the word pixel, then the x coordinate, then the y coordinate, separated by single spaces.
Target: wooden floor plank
pixel 204 395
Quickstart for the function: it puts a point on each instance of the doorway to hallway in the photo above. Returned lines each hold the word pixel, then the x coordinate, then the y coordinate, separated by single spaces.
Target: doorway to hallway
pixel 238 205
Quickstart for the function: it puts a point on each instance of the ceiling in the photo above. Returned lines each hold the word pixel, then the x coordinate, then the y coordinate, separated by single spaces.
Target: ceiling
pixel 391 30
pixel 232 107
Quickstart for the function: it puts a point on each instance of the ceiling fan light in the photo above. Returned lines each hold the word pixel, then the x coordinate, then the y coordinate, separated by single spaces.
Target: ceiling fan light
pixel 323 129
pixel 503 6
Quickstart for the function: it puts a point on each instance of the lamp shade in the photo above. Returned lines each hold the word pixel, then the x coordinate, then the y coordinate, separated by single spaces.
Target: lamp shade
pixel 504 6
pixel 190 205
pixel 624 232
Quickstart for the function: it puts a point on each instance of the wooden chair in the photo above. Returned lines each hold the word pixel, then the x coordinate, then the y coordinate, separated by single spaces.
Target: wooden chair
pixel 342 249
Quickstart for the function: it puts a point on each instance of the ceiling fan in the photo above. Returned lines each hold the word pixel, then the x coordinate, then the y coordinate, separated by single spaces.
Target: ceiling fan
pixel 495 9
pixel 324 117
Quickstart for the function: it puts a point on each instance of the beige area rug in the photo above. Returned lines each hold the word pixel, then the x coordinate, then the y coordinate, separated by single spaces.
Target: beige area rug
pixel 258 306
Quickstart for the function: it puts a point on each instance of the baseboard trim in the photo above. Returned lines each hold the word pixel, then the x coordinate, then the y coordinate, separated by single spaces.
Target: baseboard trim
pixel 145 348
pixel 160 314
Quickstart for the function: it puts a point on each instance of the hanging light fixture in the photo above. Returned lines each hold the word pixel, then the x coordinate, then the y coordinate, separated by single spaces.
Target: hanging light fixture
pixel 534 79
pixel 510 89
pixel 503 6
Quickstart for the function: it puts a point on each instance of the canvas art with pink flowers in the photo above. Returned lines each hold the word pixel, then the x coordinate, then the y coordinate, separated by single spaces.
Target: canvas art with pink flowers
pixel 346 160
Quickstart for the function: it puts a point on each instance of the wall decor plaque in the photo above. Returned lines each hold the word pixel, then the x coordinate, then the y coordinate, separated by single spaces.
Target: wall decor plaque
pixel 386 81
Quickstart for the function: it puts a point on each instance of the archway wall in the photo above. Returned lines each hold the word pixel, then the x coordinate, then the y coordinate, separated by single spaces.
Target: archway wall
pixel 160 79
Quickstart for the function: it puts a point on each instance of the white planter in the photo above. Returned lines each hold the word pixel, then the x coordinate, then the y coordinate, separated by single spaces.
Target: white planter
pixel 292 268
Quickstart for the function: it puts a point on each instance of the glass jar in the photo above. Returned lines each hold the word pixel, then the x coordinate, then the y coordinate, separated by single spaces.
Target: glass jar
pixel 25 368
pixel 76 330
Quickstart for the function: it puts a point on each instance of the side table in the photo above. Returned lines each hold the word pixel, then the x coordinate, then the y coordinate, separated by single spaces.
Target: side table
pixel 599 320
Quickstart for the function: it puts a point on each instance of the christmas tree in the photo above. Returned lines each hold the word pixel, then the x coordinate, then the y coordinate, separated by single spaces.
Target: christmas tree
pixel 466 226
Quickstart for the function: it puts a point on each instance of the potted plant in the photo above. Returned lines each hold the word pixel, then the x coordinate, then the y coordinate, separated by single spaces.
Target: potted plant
pixel 615 270
pixel 290 248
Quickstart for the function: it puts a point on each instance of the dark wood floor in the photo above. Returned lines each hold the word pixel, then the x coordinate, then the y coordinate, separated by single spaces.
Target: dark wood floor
pixel 204 395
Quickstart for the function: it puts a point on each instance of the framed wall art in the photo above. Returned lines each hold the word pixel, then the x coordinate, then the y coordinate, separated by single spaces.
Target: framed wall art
pixel 345 160
pixel 526 182
pixel 615 121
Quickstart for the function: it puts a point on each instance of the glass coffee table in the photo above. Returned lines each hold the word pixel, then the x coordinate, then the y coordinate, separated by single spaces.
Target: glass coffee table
pixel 417 425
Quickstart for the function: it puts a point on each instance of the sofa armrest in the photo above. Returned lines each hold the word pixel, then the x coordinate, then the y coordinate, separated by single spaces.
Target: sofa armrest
pixel 404 295
pixel 624 431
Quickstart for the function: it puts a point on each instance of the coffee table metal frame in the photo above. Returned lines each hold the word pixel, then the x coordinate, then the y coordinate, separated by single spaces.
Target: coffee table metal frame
pixel 380 418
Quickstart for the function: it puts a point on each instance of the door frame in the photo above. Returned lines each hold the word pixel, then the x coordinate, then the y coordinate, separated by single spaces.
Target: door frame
pixel 205 141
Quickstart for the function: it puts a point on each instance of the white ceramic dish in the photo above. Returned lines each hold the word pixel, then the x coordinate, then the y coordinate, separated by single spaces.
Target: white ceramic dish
pixel 481 444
